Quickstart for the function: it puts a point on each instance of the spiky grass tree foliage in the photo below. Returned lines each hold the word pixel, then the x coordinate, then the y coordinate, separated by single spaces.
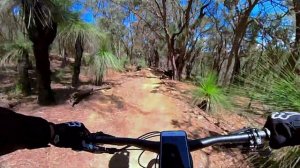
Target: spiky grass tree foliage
pixel 282 93
pixel 102 61
pixel 209 96
pixel 17 51
pixel 274 85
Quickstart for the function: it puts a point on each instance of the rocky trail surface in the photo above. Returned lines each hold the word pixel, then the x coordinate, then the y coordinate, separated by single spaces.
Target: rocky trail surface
pixel 137 103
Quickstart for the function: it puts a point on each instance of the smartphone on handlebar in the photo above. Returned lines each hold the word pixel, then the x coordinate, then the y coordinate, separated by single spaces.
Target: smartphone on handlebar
pixel 174 150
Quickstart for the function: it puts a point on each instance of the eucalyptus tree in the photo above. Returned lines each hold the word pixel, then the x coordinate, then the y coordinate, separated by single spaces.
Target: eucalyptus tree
pixel 175 23
pixel 116 20
pixel 239 19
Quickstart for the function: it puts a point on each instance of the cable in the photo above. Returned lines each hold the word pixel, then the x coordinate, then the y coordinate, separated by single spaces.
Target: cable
pixel 144 137
pixel 139 159
pixel 156 160
pixel 151 136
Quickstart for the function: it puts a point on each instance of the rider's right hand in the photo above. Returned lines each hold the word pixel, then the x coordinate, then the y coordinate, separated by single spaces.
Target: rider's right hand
pixel 284 128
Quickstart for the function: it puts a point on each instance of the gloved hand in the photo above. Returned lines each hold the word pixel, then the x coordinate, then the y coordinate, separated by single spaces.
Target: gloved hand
pixel 69 135
pixel 284 128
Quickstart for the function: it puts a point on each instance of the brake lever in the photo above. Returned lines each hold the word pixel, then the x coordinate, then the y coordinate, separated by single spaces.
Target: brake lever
pixel 240 131
pixel 90 138
pixel 89 146
pixel 92 148
pixel 101 134
pixel 257 143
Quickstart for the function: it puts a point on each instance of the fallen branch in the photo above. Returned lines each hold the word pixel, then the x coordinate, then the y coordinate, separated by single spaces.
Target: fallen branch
pixel 81 94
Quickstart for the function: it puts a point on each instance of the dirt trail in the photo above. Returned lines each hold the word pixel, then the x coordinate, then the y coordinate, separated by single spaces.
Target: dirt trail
pixel 138 103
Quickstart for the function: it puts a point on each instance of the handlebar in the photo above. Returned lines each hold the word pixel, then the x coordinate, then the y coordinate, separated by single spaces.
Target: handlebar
pixel 251 138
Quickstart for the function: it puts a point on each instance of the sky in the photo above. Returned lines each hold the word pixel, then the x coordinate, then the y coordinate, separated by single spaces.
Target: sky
pixel 88 17
pixel 87 14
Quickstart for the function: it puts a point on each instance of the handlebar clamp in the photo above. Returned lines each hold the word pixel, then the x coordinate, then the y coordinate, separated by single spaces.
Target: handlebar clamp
pixel 256 141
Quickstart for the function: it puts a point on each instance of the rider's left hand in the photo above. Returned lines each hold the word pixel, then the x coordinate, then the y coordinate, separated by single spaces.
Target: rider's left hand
pixel 69 135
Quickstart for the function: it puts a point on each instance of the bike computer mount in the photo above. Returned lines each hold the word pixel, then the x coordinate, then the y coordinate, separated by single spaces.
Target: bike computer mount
pixel 174 150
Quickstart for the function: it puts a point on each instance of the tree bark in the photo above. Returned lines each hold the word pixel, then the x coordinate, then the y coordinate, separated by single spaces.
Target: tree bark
pixel 99 82
pixel 77 64
pixel 156 59
pixel 42 33
pixel 64 60
pixel 45 93
pixel 24 81
pixel 189 67
pixel 180 64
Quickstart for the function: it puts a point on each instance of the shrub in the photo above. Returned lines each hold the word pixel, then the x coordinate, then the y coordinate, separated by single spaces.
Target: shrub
pixel 208 96
pixel 100 62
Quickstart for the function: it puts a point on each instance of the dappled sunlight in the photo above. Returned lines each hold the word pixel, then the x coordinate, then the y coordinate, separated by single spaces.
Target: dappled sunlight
pixel 149 101
pixel 149 84
pixel 155 102
pixel 92 117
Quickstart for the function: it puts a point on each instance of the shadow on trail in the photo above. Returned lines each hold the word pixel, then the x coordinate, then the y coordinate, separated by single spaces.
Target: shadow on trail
pixel 200 132
pixel 121 160
pixel 114 100
pixel 62 95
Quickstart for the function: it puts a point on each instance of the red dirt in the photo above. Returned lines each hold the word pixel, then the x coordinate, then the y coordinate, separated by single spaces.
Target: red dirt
pixel 138 103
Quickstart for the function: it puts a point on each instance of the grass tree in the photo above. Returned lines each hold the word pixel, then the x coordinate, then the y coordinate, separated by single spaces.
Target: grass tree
pixel 18 51
pixel 80 36
pixel 40 20
pixel 280 93
pixel 103 60
pixel 208 96
pixel 274 85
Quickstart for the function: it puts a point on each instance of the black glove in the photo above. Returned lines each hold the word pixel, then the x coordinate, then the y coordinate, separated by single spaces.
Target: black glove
pixel 69 135
pixel 284 128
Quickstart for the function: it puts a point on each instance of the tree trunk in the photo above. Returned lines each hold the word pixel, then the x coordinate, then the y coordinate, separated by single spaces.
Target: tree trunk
pixel 41 53
pixel 233 62
pixel 189 67
pixel 64 60
pixel 156 59
pixel 77 64
pixel 42 33
pixel 180 64
pixel 174 67
pixel 188 71
pixel 236 67
pixel 24 81
pixel 99 81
